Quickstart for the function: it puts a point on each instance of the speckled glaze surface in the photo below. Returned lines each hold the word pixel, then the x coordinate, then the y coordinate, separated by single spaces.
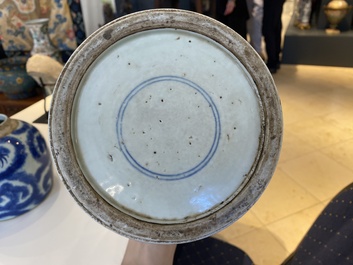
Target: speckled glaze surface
pixel 165 126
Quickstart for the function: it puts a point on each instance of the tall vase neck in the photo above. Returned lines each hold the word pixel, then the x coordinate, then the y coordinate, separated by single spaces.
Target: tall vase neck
pixel 39 21
pixel 40 35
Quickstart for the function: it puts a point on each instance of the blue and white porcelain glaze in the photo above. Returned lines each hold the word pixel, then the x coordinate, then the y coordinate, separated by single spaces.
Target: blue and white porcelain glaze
pixel 25 168
pixel 165 143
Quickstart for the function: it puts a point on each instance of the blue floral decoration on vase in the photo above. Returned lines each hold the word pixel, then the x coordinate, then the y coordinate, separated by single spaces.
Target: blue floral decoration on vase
pixel 26 173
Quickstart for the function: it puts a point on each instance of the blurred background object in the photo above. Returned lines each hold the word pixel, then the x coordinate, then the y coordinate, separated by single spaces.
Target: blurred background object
pixel 15 83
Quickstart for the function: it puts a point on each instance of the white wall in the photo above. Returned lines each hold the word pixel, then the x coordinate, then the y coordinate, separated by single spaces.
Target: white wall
pixel 92 15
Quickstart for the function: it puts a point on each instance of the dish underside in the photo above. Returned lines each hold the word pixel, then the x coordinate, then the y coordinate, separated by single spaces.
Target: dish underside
pixel 165 134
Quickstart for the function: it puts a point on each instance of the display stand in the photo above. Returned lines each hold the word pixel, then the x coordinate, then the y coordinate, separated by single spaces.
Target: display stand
pixel 315 46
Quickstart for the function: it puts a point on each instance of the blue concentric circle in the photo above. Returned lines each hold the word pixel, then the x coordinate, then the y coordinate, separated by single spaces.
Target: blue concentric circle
pixel 160 175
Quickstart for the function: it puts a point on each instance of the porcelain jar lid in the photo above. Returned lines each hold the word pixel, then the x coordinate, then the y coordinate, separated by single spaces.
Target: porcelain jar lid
pixel 165 126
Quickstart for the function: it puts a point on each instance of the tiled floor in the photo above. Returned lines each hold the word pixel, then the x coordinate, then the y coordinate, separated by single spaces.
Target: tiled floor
pixel 316 162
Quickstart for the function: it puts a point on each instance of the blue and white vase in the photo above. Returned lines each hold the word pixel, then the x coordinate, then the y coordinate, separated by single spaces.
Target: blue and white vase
pixel 26 174
pixel 42 44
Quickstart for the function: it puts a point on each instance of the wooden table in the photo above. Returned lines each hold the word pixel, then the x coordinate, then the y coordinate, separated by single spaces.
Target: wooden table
pixel 12 106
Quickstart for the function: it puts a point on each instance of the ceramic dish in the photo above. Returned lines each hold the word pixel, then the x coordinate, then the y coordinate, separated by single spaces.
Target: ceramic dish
pixel 165 126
